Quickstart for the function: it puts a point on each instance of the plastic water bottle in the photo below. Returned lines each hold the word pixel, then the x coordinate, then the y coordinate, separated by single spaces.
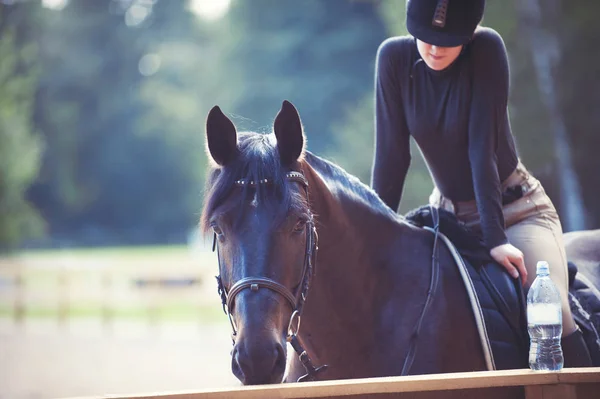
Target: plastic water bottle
pixel 544 321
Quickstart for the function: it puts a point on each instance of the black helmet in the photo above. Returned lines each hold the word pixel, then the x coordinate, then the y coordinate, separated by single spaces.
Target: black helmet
pixel 445 23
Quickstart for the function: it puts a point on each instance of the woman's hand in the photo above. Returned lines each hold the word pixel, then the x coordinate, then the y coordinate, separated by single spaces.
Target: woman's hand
pixel 512 259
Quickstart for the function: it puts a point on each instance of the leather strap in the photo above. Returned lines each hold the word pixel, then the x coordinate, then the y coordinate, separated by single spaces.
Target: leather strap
pixel 255 283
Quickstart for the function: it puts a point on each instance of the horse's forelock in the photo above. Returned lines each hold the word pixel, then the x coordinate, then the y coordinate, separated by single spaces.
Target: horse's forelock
pixel 258 159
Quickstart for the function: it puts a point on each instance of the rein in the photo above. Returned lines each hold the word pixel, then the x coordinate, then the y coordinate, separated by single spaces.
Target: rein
pixel 296 300
pixel 435 276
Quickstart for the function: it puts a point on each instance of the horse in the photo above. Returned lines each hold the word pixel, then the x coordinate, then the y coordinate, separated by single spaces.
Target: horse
pixel 583 249
pixel 380 298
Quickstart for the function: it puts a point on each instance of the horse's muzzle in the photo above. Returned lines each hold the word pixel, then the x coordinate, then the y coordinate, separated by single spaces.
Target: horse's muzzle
pixel 259 362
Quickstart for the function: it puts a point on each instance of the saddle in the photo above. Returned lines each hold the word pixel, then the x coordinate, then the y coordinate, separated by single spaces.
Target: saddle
pixel 500 300
pixel 584 301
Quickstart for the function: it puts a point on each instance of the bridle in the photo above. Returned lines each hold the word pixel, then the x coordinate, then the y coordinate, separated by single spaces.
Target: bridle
pixel 296 300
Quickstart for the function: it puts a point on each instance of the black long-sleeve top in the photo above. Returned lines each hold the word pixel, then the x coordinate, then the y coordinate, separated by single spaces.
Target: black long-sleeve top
pixel 457 116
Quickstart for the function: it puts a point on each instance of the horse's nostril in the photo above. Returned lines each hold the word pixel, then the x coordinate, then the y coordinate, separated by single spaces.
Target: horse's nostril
pixel 236 366
pixel 259 366
pixel 280 361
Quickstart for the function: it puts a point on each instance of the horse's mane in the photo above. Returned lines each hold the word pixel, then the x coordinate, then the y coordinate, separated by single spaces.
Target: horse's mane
pixel 258 159
pixel 349 184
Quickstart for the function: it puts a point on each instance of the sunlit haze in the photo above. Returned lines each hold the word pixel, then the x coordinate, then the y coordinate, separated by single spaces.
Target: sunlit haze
pixel 209 9
pixel 54 4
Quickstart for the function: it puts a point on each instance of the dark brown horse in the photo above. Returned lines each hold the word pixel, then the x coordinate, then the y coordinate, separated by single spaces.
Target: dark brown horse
pixel 268 201
pixel 372 271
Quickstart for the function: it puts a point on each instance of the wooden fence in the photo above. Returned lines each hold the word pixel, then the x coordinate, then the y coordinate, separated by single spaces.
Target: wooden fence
pixel 580 383
pixel 63 293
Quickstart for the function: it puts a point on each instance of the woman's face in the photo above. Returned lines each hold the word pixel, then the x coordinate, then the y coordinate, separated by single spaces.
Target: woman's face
pixel 438 58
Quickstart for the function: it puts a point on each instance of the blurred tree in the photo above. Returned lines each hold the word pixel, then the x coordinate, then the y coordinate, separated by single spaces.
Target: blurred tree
pixel 354 152
pixel 116 169
pixel 354 138
pixel 126 84
pixel 570 28
pixel 540 27
pixel 20 145
pixel 579 90
pixel 317 54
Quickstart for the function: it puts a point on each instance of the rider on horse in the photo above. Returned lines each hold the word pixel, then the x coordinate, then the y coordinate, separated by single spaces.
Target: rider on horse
pixel 446 85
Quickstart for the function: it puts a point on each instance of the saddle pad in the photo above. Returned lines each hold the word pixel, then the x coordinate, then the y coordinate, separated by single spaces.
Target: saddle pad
pixel 504 339
pixel 584 300
pixel 504 314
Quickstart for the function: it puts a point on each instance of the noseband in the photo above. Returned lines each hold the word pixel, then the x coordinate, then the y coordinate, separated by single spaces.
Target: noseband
pixel 296 300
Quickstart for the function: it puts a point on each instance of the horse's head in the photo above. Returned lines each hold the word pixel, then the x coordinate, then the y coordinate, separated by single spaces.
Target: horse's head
pixel 256 204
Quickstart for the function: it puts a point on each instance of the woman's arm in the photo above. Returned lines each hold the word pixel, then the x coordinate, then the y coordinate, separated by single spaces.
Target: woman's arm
pixel 392 144
pixel 488 109
pixel 488 106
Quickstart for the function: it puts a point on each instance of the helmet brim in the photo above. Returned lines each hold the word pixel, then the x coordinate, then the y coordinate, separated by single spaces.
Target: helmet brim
pixel 433 36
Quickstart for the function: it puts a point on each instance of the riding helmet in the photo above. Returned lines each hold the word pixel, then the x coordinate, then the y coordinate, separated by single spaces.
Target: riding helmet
pixel 444 23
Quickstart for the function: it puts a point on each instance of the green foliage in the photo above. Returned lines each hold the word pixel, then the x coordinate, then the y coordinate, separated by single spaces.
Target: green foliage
pixel 528 116
pixel 354 152
pixel 579 88
pixel 124 159
pixel 354 139
pixel 120 104
pixel 317 54
pixel 393 14
pixel 19 144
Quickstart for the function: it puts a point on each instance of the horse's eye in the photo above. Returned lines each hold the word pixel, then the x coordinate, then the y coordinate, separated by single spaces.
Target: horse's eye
pixel 300 225
pixel 217 229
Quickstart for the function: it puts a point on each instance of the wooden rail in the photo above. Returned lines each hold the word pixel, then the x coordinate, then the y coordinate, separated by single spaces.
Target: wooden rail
pixel 580 383
pixel 61 291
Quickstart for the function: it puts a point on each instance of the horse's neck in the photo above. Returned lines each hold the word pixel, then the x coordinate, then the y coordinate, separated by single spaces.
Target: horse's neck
pixel 350 265
pixel 346 220
pixel 372 277
pixel 354 240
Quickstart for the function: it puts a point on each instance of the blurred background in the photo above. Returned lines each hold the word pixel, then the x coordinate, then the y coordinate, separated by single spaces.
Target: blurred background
pixel 105 284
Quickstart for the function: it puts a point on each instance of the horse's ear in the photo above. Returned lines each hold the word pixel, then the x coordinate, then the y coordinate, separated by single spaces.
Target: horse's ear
pixel 289 133
pixel 221 136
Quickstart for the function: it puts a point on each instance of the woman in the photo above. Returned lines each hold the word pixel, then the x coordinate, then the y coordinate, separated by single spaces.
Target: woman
pixel 446 85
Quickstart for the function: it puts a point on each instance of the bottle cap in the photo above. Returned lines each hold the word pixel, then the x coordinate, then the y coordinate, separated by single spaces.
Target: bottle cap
pixel 542 267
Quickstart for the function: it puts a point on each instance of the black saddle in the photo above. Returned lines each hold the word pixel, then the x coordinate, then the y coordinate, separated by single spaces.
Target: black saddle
pixel 585 307
pixel 501 297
